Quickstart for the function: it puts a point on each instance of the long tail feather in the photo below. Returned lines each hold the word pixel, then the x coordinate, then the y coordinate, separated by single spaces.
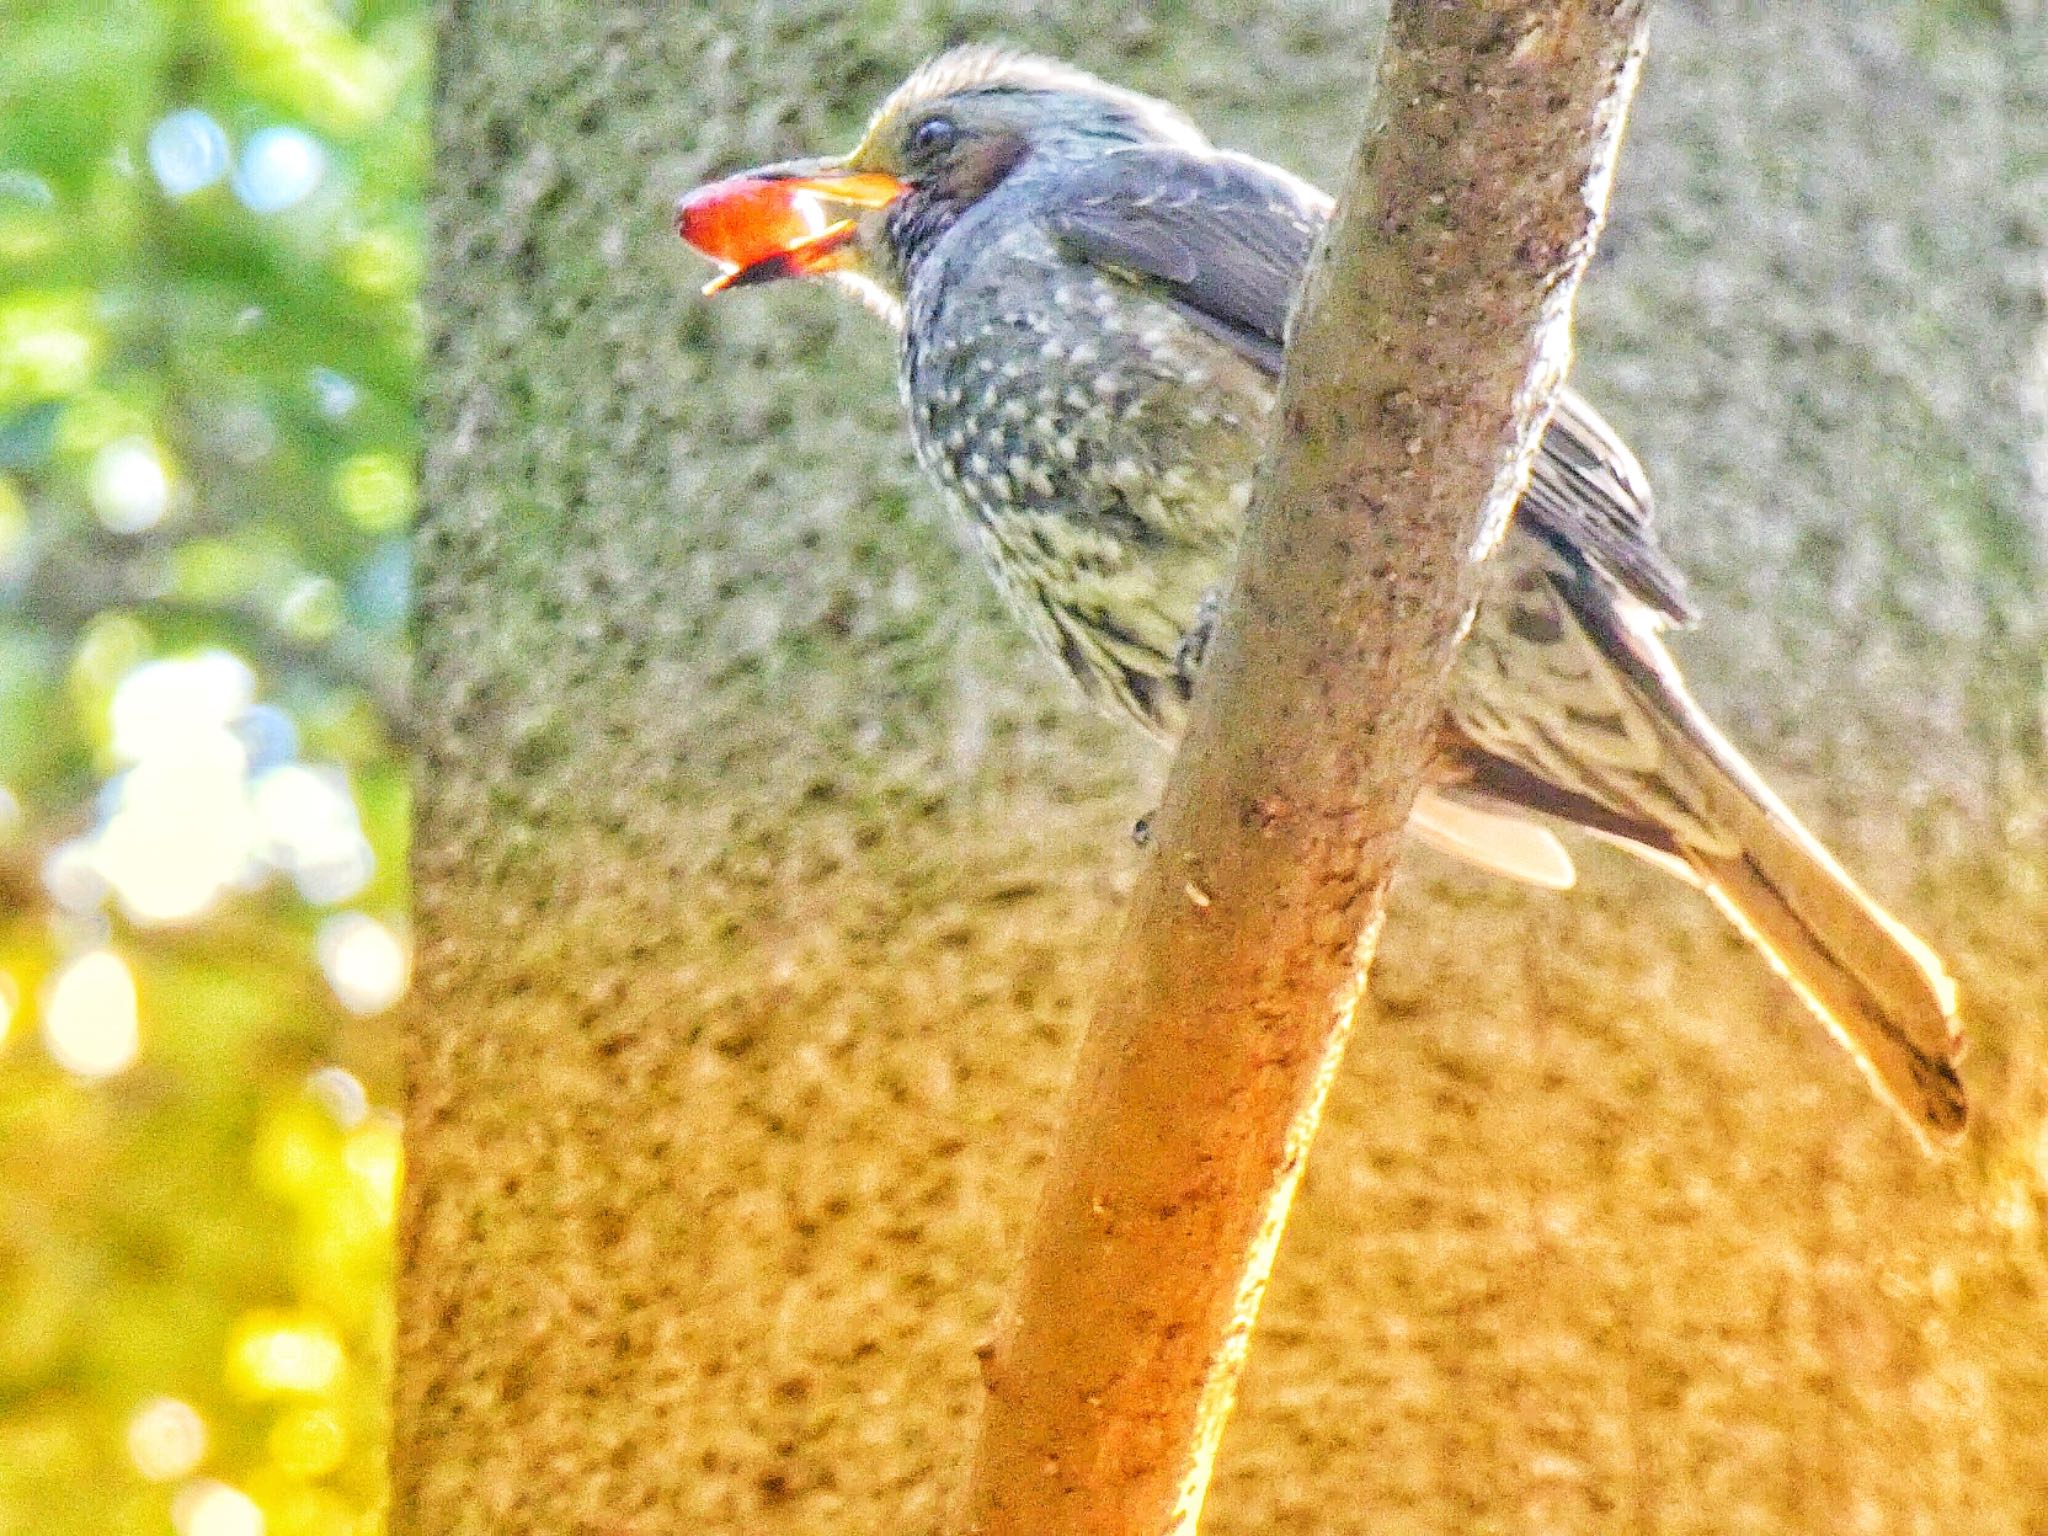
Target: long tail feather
pixel 1603 734
pixel 1881 991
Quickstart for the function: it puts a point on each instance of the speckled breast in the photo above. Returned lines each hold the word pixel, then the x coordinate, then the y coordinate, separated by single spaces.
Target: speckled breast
pixel 1098 446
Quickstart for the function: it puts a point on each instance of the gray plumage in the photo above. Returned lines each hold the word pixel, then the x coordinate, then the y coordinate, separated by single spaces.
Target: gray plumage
pixel 1093 304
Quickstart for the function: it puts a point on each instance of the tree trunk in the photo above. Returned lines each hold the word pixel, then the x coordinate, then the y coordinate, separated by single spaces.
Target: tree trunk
pixel 763 872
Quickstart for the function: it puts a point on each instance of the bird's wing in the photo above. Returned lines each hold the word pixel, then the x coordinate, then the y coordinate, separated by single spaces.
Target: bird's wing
pixel 1589 496
pixel 1225 239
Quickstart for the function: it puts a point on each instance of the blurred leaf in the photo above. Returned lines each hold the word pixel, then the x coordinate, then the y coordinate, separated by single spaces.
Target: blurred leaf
pixel 267 362
pixel 26 436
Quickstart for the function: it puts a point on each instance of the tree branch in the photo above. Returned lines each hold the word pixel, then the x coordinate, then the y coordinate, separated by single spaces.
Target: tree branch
pixel 1429 341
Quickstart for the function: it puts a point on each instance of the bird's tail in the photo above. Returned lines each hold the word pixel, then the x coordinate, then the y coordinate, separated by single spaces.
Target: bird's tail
pixel 1671 788
pixel 1876 985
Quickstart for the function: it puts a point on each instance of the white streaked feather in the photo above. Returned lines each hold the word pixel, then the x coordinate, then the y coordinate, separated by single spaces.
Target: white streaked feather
pixel 1495 841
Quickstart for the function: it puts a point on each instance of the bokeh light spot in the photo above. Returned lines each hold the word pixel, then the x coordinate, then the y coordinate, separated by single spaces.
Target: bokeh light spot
pixel 129 486
pixel 334 393
pixel 71 874
pixel 310 610
pixel 181 831
pixel 181 376
pixel 376 490
pixel 364 961
pixel 382 589
pixel 381 262
pixel 188 152
pixel 341 1093
pixel 311 831
pixel 19 186
pixel 274 1353
pixel 159 705
pixel 215 571
pixel 268 735
pixel 279 169
pixel 215 1509
pixel 91 1021
pixel 166 1439
pixel 49 345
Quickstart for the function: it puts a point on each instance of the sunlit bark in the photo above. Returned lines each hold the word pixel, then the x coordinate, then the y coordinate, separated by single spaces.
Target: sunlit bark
pixel 1430 340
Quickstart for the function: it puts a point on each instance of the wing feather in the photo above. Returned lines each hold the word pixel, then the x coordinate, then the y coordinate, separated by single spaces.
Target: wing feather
pixel 1225 239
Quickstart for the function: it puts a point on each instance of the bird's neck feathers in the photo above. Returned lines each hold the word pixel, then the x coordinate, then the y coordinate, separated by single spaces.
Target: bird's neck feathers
pixel 915 227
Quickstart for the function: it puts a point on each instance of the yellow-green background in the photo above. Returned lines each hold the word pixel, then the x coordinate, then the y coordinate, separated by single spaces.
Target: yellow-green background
pixel 211 1225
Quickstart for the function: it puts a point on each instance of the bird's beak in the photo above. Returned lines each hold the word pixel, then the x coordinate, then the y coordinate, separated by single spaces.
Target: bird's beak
pixel 777 221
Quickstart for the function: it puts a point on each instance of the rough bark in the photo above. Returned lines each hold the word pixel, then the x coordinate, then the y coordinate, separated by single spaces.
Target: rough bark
pixel 1431 338
pixel 763 870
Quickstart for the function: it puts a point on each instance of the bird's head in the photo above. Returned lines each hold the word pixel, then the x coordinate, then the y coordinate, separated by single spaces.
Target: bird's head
pixel 960 126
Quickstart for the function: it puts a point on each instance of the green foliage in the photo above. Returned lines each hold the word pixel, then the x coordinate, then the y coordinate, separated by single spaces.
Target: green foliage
pixel 210 246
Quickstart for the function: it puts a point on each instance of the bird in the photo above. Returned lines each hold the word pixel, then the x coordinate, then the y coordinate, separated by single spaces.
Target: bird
pixel 1091 300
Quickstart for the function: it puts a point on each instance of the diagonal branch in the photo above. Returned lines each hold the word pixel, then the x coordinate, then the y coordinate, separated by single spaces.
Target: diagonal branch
pixel 1429 340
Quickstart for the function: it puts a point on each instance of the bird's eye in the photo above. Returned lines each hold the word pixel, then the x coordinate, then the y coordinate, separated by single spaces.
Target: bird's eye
pixel 934 136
